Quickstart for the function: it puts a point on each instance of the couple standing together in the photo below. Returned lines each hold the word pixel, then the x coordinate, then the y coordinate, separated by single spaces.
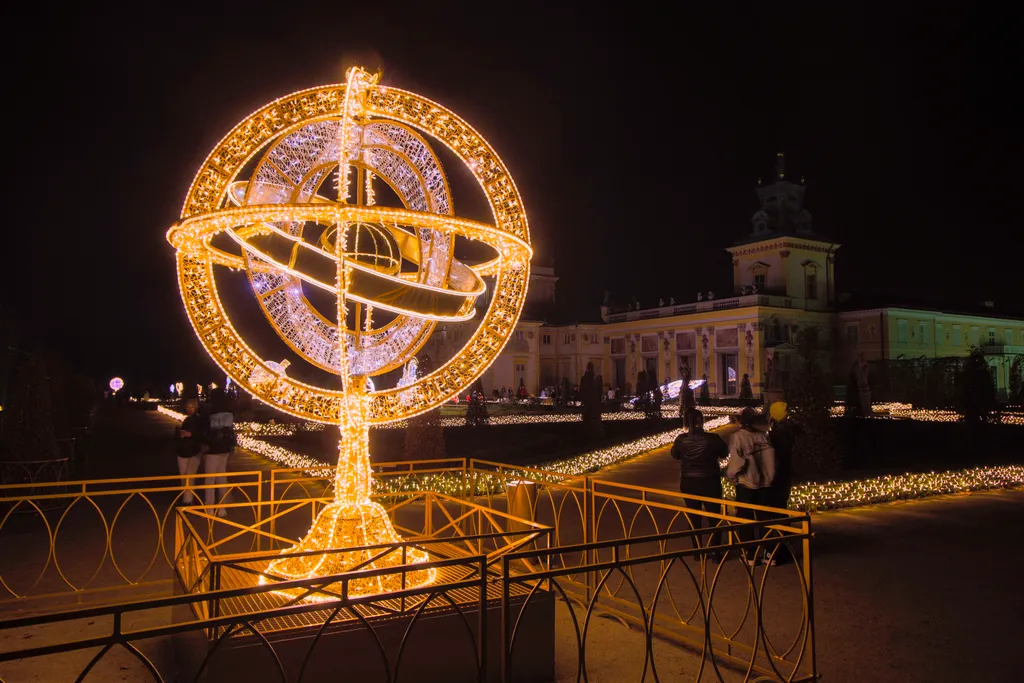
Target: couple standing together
pixel 760 465
pixel 210 438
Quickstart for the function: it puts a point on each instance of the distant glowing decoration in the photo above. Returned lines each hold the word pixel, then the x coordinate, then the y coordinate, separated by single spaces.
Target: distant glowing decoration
pixel 170 390
pixel 306 219
pixel 180 386
pixel 116 384
pixel 671 390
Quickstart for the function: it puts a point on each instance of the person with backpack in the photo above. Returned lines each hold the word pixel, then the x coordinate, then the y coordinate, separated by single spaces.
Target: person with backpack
pixel 220 443
pixel 752 469
pixel 700 455
pixel 188 440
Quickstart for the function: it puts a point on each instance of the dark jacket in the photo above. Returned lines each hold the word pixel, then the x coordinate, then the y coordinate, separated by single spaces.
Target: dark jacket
pixel 783 436
pixel 220 435
pixel 699 454
pixel 188 446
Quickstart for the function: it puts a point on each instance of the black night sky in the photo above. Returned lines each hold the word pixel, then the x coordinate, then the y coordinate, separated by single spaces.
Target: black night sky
pixel 635 133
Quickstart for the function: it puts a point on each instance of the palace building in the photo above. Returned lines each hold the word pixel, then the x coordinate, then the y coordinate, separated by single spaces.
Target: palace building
pixel 783 280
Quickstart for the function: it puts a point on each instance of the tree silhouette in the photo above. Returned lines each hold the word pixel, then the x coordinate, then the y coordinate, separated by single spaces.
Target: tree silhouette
pixel 745 391
pixel 976 391
pixel 590 398
pixel 1016 383
pixel 476 411
pixel 810 400
pixel 685 392
pixel 27 432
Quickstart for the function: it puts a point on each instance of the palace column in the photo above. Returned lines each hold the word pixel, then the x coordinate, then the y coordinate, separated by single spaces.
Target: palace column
pixel 632 357
pixel 673 359
pixel 710 367
pixel 752 341
pixel 664 362
pixel 741 356
pixel 698 355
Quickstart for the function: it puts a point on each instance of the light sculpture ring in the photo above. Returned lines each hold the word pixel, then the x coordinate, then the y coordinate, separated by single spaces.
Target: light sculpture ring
pixel 371 258
pixel 509 235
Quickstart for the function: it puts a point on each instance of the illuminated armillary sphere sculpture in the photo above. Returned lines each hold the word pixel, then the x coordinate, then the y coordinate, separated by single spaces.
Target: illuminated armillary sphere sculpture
pixel 289 196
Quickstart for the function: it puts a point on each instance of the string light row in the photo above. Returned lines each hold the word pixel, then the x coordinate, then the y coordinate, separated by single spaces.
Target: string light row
pixel 832 495
pixel 906 411
pixel 809 497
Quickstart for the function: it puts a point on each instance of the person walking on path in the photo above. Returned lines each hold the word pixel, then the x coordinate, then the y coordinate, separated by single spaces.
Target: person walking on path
pixel 752 469
pixel 220 443
pixel 700 455
pixel 188 438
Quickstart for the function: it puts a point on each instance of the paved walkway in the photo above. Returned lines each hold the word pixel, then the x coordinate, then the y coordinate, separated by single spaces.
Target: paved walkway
pixel 922 591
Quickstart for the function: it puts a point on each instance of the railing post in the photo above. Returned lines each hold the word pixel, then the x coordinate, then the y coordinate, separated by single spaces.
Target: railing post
pixel 809 578
pixel 478 530
pixel 259 509
pixel 589 532
pixel 506 659
pixel 215 585
pixel 428 514
pixel 482 622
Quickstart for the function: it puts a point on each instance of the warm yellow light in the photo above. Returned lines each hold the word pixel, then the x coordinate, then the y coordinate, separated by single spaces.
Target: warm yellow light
pixel 260 212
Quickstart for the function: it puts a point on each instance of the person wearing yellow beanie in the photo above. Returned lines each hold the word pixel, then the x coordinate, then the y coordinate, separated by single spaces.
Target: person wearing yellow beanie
pixel 783 434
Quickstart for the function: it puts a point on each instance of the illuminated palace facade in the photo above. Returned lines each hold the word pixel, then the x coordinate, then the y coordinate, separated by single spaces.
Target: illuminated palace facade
pixel 783 280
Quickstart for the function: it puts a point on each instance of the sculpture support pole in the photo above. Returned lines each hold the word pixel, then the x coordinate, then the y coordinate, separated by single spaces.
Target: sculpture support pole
pixel 353 475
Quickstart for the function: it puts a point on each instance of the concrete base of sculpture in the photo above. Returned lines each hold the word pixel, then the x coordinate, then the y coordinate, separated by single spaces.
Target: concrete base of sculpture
pixel 440 645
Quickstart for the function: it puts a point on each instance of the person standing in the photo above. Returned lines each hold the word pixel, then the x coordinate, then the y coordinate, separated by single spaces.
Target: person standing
pixel 188 438
pixel 782 434
pixel 752 469
pixel 700 457
pixel 220 443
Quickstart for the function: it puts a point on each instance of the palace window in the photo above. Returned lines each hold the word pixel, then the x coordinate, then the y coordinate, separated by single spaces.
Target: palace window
pixel 520 335
pixel 958 336
pixel 729 368
pixel 760 280
pixel 922 331
pixel 991 337
pixel 812 285
pixel 545 339
pixel 901 331
pixel 938 333
pixel 1008 337
pixel 853 333
pixel 618 345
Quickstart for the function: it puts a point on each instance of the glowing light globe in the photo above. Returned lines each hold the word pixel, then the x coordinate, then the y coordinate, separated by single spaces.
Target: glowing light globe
pixel 289 196
pixel 116 384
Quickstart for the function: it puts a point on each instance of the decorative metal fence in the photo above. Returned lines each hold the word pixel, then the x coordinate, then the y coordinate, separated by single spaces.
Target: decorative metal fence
pixel 632 583
pixel 79 538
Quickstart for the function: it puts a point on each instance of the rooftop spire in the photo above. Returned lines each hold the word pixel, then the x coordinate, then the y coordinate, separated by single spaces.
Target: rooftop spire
pixel 780 166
